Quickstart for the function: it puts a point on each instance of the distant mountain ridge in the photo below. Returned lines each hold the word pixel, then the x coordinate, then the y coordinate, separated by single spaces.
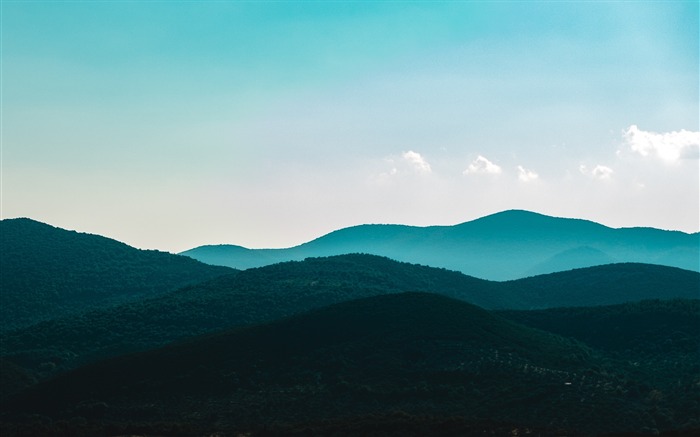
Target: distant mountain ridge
pixel 48 272
pixel 502 246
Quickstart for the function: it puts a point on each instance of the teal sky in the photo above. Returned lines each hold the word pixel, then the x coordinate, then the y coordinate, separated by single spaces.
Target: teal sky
pixel 174 124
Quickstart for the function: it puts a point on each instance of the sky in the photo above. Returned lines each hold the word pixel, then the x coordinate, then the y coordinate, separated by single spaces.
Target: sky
pixel 169 125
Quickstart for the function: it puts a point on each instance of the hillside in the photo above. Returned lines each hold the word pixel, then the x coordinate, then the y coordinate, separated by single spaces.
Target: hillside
pixel 48 272
pixel 251 296
pixel 603 285
pixel 660 337
pixel 412 353
pixel 281 290
pixel 507 245
pixel 643 329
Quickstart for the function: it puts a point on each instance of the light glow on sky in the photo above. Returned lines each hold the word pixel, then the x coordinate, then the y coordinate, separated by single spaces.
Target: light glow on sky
pixel 170 125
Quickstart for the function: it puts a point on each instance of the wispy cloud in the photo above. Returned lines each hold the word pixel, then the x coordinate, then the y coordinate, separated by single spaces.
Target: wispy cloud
pixel 598 172
pixel 417 161
pixel 526 175
pixel 668 146
pixel 481 165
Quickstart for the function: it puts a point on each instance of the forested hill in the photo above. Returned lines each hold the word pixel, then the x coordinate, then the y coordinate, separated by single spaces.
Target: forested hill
pixel 48 272
pixel 503 246
pixel 602 285
pixel 649 328
pixel 281 290
pixel 418 355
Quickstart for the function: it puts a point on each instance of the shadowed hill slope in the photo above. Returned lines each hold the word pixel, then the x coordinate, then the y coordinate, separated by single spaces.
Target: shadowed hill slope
pixel 250 296
pixel 502 246
pixel 412 352
pixel 281 290
pixel 603 285
pixel 48 272
pixel 646 328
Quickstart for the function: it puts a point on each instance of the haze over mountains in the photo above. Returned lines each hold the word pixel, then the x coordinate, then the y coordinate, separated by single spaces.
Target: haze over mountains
pixel 507 245
pixel 99 338
pixel 281 290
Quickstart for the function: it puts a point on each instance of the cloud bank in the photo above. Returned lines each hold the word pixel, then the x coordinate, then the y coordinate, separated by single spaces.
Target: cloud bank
pixel 669 146
pixel 481 165
pixel 417 161
pixel 598 172
pixel 526 175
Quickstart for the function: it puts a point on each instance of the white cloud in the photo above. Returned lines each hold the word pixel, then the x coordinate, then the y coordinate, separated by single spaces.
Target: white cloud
pixel 483 166
pixel 598 172
pixel 669 146
pixel 526 175
pixel 417 161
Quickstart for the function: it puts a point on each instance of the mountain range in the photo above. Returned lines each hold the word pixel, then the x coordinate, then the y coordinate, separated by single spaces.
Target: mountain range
pixel 99 338
pixel 281 290
pixel 507 245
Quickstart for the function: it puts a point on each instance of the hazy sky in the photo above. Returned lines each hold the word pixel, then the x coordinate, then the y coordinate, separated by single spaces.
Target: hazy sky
pixel 174 124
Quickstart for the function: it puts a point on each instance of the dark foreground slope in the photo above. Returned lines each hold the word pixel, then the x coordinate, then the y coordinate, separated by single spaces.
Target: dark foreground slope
pixel 502 246
pixel 48 272
pixel 272 292
pixel 650 328
pixel 409 354
pixel 661 339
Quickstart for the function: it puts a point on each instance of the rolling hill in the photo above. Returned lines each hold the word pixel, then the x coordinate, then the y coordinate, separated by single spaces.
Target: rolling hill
pixel 268 293
pixel 411 355
pixel 507 245
pixel 48 272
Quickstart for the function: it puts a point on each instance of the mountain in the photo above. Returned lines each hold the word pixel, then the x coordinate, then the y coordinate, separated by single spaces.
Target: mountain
pixel 602 285
pixel 268 293
pixel 248 297
pixel 649 328
pixel 507 245
pixel 48 272
pixel 569 259
pixel 411 355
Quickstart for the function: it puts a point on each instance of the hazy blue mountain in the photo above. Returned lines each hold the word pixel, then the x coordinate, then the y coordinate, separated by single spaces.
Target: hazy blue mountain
pixel 280 290
pixel 578 257
pixel 48 272
pixel 415 354
pixel 507 245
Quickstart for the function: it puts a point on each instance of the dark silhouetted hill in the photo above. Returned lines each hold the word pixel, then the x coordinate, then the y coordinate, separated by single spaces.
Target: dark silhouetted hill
pixel 268 293
pixel 410 354
pixel 48 272
pixel 603 285
pixel 247 297
pixel 507 245
pixel 661 338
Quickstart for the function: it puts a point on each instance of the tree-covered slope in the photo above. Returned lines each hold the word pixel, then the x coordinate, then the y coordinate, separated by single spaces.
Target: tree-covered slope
pixel 280 290
pixel 645 328
pixel 247 297
pixel 659 338
pixel 603 285
pixel 413 353
pixel 502 246
pixel 48 272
